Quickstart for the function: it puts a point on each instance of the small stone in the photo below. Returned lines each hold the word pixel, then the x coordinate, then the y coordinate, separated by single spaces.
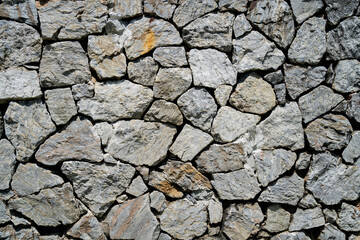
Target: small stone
pixel 143 71
pixel 330 215
pixel 336 11
pixel 331 232
pixel 352 152
pixel 353 109
pixel 88 227
pixel 157 201
pixel 349 218
pixel 255 52
pixel 122 198
pixel 61 105
pixel 160 8
pixel 23 11
pixel 170 56
pixel 309 44
pixel 303 161
pixel 241 25
pixel 184 220
pixel 303 9
pixel 166 112
pixel 20 221
pixel 4 213
pixel 222 94
pixel 144 172
pixel 331 132
pixel 211 68
pixel 170 83
pixel 115 26
pixel 291 236
pixel 84 90
pixel 137 187
pixel 235 5
pixel 158 181
pixel 299 79
pixel 126 9
pixel 274 77
pixel 347 76
pixel 242 220
pixel 280 92
pixel 164 236
pixel 215 210
pixel 317 102
pixel 7 163
pixel 308 202
pixel 104 130
pixel 278 219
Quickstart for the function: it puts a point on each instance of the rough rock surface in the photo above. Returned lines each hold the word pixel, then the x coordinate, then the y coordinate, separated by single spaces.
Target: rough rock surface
pixel 349 218
pixel 352 153
pixel 307 219
pixel 330 231
pixel 164 111
pixel 126 9
pixel 291 236
pixel 22 11
pixel 347 76
pixel 235 5
pixel 278 219
pixel 143 70
pixel 88 227
pixel 170 56
pixel 7 163
pixel 160 8
pixel 303 9
pixel 159 181
pixel 222 94
pixel 336 11
pixel 353 110
pixel 241 25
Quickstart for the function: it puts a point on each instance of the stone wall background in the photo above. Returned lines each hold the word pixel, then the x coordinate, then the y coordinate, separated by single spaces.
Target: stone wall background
pixel 180 119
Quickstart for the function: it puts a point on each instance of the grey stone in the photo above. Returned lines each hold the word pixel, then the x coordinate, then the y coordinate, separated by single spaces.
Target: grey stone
pixel 190 142
pixel 353 109
pixel 8 232
pixel 164 236
pixel 212 30
pixel 235 5
pixel 20 221
pixel 199 107
pixel 303 161
pixel 114 67
pixel 291 236
pixel 140 143
pixel 158 180
pixel 20 44
pixel 122 198
pixel 7 163
pixel 255 52
pixel 303 9
pixel 211 68
pixel 18 83
pixel 91 179
pixel 253 95
pixel 242 220
pixel 215 210
pixel 133 220
pixel 115 26
pixel 126 9
pixel 50 207
pixel 116 100
pixel 222 94
pixel 307 219
pixel 149 33
pixel 88 227
pixel 61 105
pixel 72 19
pixel 330 215
pixel 278 219
pixel 342 42
pixel 170 83
pixel 317 102
pixel 331 132
pixel 157 201
pixel 241 25
pixel 274 18
pixel 7 194
pixel 331 232
pixel 309 44
pixel 164 111
pixel 280 92
pixel 160 8
pixel 34 116
pixel 1 126
pixel 104 130
pixel 274 77
pixel 23 11
pixel 4 213
pixel 349 218
pixel 336 11
pixel 299 79
pixel 84 90
pixel 237 185
pixel 143 71
pixel 190 10
pixel 170 56
pixel 330 181
pixel 352 152
pixel 137 187
pixel 286 190
pixel 283 128
pixel 183 219
pixel 144 172
pixel 63 64
pixel 347 76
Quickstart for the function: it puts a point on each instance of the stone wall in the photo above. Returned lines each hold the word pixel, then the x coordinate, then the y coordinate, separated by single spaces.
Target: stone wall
pixel 179 119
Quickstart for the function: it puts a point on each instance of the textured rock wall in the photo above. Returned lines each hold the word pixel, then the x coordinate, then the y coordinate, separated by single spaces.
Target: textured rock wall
pixel 180 119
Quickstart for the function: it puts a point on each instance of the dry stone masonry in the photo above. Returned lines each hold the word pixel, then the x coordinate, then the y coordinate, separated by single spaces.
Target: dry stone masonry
pixel 180 119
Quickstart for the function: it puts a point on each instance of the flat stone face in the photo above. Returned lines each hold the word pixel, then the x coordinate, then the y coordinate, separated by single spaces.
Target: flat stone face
pixel 347 76
pixel 330 231
pixel 303 9
pixel 22 11
pixel 336 11
pixel 222 94
pixel 159 181
pixel 20 43
pixel 274 77
pixel 352 153
pixel 4 213
pixel 160 8
pixel 7 163
pixel 88 227
pixel 349 218
pixel 211 68
pixel 166 112
pixel 211 30
pixel 116 100
pixel 126 9
pixel 140 143
pixel 90 179
pixel 307 219
pixel 278 219
pixel 241 25
pixel 291 236
pixel 170 56
pixel 353 109
pixel 236 5
pixel 143 71
pixel 255 52
pixel 76 142
pixel 137 187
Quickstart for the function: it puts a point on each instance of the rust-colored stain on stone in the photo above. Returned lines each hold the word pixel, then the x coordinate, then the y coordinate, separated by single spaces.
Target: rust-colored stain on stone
pixel 166 187
pixel 149 41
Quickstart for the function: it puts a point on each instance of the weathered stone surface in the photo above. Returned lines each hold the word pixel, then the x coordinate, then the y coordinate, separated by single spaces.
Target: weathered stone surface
pixel 88 227
pixel 235 5
pixel 330 181
pixel 303 161
pixel 157 201
pixel 140 143
pixel 170 56
pixel 280 92
pixel 160 8
pixel 115 26
pixel 1 126
pixel 126 9
pixel 291 236
pixel 170 83
pixel 149 33
pixel 63 64
pixel 4 213
pixel 159 181
pixel 253 95
pixel 50 207
pixel 286 190
pixel 299 79
pixel 7 163
pixel 255 52
pixel 212 30
pixel 190 142
pixel 349 218
pixel 222 94
pixel 309 44
pixel 274 77
pixel 274 18
pixel 116 100
pixel 137 187
pixel 241 25
pixel 307 219
pixel 211 68
pixel 20 44
pixel 110 68
pixel 331 232
pixel 237 185
pixel 23 11
pixel 317 102
pixel 353 108
pixel 184 220
pixel 278 219
pixel 133 220
pixel 352 151
pixel 83 90
pixel 242 220
pixel 143 71
pixel 215 210
pixel 190 10
pixel 308 201
pixel 303 9
pixel 164 111
pixel 104 130
pixel 336 11
pixel 34 116
pixel 8 232
pixel 72 19
pixel 199 107
pixel 342 42
pixel 330 215
pixel 347 76
pixel 283 128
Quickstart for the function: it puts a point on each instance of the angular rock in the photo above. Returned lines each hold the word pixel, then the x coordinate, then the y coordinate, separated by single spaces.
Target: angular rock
pixel 8 232
pixel 157 201
pixel 280 92
pixel 104 130
pixel 242 220
pixel 308 201
pixel 190 142
pixel 349 218
pixel 137 187
pixel 61 105
pixel 274 77
pixel 158 181
pixel 330 231
pixel 166 112
pixel 317 102
pixel 84 90
pixel 143 71
pixel 126 9
pixel 7 163
pixel 353 109
pixel 352 152
pixel 347 76
pixel 115 26
pixel 278 219
pixel 116 100
pixel 212 30
pixel 215 210
pixel 170 56
pixel 286 190
pixel 309 44
pixel 335 11
pixel 299 79
pixel 307 219
pixel 160 8
pixel 222 94
pixel 63 64
pixel 23 11
pixel 303 161
pixel 149 33
pixel 235 5
pixel 330 215
pixel 184 220
pixel 34 116
pixel 170 83
pixel 4 213
pixel 241 25
pixel 254 52
pixel 88 227
pixel 303 9
pixel 211 68
pixel 291 236
pixel 274 18
pixel 20 44
pixel 140 143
